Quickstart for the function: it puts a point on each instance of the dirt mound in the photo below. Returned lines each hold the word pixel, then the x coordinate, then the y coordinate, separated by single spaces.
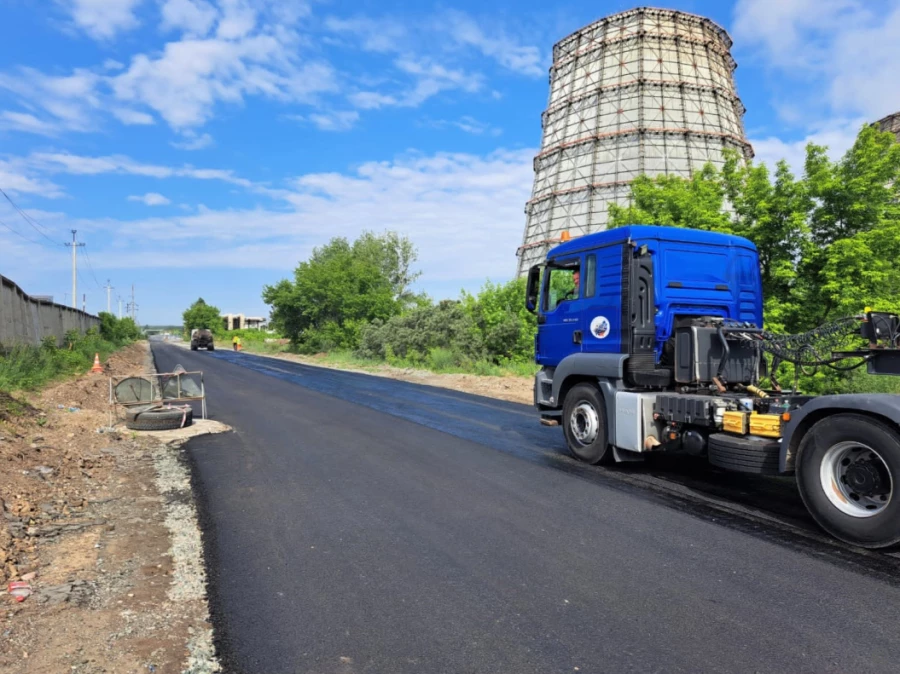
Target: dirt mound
pixel 83 524
pixel 13 408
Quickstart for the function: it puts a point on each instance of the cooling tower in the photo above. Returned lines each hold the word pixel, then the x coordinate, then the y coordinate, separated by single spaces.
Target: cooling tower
pixel 645 91
pixel 891 123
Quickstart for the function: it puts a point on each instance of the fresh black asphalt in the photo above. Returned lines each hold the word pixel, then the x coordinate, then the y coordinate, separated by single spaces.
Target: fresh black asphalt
pixel 359 524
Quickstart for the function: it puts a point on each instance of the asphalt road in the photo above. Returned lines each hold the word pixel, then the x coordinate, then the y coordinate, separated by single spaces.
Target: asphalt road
pixel 359 524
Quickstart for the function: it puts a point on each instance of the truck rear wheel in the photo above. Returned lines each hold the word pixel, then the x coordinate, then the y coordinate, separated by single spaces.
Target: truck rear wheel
pixel 584 425
pixel 848 473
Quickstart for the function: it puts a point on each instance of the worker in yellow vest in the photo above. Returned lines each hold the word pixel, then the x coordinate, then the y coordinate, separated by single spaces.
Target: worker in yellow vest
pixel 236 343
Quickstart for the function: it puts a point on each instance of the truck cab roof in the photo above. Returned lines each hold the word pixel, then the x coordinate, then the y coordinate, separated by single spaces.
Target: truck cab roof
pixel 639 233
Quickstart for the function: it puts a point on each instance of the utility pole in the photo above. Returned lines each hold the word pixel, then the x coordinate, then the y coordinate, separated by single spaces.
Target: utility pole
pixel 84 302
pixel 120 306
pixel 108 289
pixel 131 306
pixel 75 246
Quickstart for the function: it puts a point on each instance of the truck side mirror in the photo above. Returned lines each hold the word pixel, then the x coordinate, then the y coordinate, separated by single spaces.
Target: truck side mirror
pixel 532 289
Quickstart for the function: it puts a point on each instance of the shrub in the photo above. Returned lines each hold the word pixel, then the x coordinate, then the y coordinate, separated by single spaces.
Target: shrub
pixel 414 335
pixel 507 328
pixel 440 359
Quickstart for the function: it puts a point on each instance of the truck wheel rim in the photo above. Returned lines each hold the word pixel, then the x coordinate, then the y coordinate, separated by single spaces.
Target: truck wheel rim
pixel 585 423
pixel 856 479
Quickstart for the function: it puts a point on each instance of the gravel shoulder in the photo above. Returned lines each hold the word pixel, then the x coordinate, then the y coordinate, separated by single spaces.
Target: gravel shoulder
pixel 102 527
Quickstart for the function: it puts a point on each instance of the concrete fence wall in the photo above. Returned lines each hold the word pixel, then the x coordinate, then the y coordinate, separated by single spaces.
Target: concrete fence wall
pixel 26 320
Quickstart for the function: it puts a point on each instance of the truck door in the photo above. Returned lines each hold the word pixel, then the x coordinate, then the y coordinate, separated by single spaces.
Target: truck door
pixel 602 308
pixel 560 329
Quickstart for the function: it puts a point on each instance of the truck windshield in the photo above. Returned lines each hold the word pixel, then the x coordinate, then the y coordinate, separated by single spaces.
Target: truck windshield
pixel 562 286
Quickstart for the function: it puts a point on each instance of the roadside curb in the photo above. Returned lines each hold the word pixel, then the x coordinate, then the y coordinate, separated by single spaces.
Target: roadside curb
pixel 189 580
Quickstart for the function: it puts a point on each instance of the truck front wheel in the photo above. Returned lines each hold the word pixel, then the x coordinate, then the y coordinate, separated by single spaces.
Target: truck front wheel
pixel 584 424
pixel 848 473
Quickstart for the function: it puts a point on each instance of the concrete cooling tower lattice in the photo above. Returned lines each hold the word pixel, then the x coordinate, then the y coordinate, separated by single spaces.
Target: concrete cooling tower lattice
pixel 645 91
pixel 891 123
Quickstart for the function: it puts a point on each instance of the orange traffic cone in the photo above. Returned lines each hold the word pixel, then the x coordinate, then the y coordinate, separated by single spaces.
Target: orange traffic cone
pixel 97 366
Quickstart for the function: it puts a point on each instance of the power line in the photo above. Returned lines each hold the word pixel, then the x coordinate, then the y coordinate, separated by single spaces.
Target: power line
pixel 19 234
pixel 35 225
pixel 87 258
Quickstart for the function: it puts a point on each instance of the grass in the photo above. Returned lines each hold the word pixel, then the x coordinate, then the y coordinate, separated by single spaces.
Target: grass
pixel 24 368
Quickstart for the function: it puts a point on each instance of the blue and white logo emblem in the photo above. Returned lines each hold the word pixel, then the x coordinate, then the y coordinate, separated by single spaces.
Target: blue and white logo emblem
pixel 600 327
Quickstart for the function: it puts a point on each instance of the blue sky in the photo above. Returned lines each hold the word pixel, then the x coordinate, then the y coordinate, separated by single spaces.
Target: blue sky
pixel 204 147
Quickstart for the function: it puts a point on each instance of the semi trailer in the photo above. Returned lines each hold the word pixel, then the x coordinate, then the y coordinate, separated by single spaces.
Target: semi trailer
pixel 651 339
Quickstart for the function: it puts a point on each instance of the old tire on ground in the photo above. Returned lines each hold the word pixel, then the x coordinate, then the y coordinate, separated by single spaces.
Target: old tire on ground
pixel 848 473
pixel 747 454
pixel 584 425
pixel 160 420
pixel 131 413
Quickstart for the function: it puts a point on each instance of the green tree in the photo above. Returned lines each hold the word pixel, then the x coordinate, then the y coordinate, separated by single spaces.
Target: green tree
pixel 118 330
pixel 341 288
pixel 505 326
pixel 855 228
pixel 828 242
pixel 697 202
pixel 203 316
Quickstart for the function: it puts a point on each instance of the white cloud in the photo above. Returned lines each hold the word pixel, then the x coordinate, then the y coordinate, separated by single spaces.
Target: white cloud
pixel 64 162
pixel 132 117
pixel 237 21
pixel 256 49
pixel 185 82
pixel 376 35
pixel 372 100
pixel 14 178
pixel 468 124
pixel 24 121
pixel 194 17
pixel 792 32
pixel 451 29
pixel 73 164
pixel 67 103
pixel 837 136
pixel 428 80
pixel 505 50
pixel 463 211
pixel 194 141
pixel 151 199
pixel 103 19
pixel 343 120
pixel 838 56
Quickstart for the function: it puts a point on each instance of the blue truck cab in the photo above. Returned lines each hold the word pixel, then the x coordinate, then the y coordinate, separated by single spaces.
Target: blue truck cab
pixel 650 340
pixel 633 283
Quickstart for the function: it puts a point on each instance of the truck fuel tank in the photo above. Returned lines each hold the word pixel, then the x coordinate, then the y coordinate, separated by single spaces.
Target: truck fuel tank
pixel 634 420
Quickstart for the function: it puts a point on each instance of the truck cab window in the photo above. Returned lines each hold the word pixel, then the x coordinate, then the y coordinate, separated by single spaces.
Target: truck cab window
pixel 562 285
pixel 590 276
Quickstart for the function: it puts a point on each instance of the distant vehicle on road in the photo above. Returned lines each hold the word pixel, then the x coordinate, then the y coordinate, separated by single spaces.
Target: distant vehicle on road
pixel 202 339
